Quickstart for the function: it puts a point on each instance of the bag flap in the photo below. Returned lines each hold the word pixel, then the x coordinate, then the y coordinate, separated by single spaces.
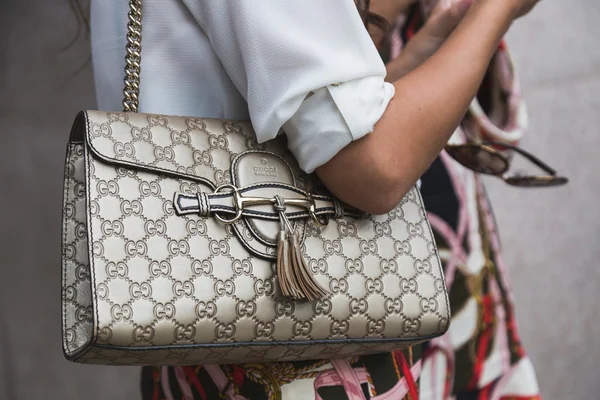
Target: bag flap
pixel 199 149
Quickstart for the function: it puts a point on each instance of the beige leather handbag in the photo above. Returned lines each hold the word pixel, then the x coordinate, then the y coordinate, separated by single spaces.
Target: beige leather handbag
pixel 187 242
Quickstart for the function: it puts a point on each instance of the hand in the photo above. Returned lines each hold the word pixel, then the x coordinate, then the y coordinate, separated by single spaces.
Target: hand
pixel 443 19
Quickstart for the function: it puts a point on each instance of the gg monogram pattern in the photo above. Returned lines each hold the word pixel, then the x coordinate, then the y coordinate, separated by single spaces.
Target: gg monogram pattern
pixel 143 285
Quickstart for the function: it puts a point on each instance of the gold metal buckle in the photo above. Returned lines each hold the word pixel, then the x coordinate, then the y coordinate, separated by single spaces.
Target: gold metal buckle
pixel 240 202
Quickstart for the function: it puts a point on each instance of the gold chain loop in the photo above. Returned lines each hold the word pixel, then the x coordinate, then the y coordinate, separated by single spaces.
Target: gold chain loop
pixel 133 57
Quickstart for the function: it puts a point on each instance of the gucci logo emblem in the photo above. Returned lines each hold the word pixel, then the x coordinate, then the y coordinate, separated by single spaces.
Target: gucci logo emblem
pixel 354 266
pixel 168 208
pixel 122 172
pixel 82 272
pixel 389 266
pixel 101 130
pixel 375 326
pixel 69 211
pixel 383 229
pixel 70 293
pixel 243 267
pixel 157 269
pixel 347 228
pixel 223 288
pixel 332 247
pixel 264 329
pixel 322 307
pixel 302 328
pixel 374 285
pixel 206 310
pixel 107 188
pixel 70 335
pixel 414 230
pixel 178 247
pixel 340 327
pixel 70 251
pixel 138 248
pixel 202 157
pixel 110 228
pixel 157 120
pixel 105 334
pixel 94 207
pixel 123 312
pixel 79 191
pixel 318 266
pixel 154 228
pixel 183 332
pixel 368 247
pixel 181 289
pixel 218 142
pixel 411 325
pixel 222 177
pixel 397 213
pixel 428 305
pixel 402 248
pixel 180 137
pixel 141 134
pixel 225 331
pixel 190 187
pixel 338 285
pixel 246 309
pixel 203 267
pixel 143 334
pixel 84 314
pixel 118 117
pixel 285 307
pixel 124 150
pixel 409 285
pixel 149 188
pixel 219 247
pixel 164 311
pixel 359 306
pixel 138 291
pixel 232 127
pixel 195 123
pixel 293 352
pixel 393 306
pixel 131 208
pixel 423 266
pixel 263 287
pixel 98 249
pixel 116 270
pixel 164 153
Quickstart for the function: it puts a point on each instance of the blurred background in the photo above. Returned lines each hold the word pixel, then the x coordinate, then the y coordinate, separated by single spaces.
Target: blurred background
pixel 550 237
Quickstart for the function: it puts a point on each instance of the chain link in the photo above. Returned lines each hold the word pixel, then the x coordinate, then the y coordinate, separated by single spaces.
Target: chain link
pixel 133 57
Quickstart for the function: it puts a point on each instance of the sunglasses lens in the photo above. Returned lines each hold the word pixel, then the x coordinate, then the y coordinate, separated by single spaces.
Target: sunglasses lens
pixel 479 159
pixel 537 181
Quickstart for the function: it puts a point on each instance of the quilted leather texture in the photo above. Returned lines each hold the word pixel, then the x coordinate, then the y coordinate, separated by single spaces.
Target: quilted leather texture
pixel 143 285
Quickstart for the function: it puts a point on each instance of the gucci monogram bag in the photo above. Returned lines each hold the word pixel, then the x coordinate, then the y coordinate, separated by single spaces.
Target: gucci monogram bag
pixel 187 242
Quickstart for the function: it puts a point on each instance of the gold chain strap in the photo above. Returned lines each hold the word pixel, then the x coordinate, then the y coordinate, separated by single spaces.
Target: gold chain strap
pixel 133 57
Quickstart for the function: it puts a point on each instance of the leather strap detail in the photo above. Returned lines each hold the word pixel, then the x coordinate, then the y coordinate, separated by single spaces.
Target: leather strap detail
pixel 208 204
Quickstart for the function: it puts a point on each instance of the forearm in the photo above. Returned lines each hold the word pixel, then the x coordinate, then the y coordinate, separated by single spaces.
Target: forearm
pixel 375 172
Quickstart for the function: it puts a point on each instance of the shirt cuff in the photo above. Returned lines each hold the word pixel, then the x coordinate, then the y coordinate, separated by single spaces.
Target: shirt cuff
pixel 334 116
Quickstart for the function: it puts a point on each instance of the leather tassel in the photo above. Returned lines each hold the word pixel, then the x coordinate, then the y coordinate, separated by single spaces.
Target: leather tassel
pixel 307 285
pixel 285 275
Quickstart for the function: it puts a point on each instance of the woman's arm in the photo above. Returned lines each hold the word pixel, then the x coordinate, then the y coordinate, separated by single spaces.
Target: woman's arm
pixel 375 172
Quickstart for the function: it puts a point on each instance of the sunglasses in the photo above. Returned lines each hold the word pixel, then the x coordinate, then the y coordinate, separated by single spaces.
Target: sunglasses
pixel 485 159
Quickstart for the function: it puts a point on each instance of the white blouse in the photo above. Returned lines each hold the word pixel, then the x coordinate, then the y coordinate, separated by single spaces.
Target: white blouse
pixel 305 67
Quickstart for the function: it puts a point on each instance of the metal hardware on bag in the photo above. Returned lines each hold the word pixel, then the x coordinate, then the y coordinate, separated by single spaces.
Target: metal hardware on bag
pixel 240 203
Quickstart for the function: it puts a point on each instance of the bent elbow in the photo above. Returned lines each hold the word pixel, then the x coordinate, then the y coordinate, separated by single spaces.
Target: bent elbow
pixel 385 194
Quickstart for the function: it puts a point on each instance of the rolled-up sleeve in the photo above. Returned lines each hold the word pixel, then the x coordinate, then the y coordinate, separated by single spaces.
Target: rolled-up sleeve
pixel 307 67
